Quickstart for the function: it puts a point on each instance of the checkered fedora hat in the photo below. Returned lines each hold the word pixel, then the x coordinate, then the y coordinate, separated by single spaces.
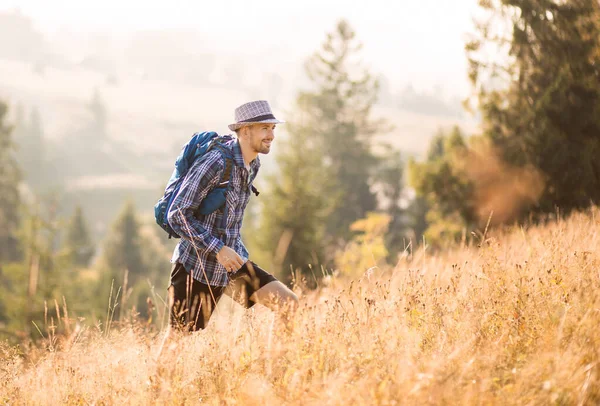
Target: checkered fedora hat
pixel 252 113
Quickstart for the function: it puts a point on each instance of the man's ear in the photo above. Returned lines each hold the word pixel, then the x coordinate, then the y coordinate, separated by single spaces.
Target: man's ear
pixel 245 130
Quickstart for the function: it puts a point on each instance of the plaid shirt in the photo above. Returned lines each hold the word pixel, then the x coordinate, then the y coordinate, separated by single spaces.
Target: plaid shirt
pixel 199 243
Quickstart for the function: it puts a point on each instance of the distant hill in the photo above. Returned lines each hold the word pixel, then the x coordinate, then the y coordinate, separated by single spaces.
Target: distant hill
pixel 147 123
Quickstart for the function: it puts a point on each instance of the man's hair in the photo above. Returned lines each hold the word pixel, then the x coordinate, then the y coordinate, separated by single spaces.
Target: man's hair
pixel 237 132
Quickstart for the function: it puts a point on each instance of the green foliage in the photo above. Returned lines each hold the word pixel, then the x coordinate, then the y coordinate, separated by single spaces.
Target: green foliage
pixel 416 213
pixel 133 262
pixel 13 299
pixel 444 187
pixel 9 198
pixel 541 106
pixel 32 150
pixel 44 277
pixel 79 245
pixel 123 247
pixel 367 248
pixel 389 180
pixel 295 212
pixel 158 250
pixel 340 112
pixel 327 167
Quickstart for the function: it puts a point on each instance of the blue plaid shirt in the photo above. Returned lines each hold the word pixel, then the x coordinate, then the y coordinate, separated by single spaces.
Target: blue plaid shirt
pixel 199 236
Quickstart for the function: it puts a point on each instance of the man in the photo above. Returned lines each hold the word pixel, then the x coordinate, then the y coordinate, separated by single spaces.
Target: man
pixel 211 259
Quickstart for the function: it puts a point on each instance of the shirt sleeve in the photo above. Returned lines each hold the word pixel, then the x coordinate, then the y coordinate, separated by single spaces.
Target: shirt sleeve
pixel 241 249
pixel 202 177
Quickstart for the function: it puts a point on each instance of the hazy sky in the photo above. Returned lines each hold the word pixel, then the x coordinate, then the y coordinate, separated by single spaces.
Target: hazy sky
pixel 419 42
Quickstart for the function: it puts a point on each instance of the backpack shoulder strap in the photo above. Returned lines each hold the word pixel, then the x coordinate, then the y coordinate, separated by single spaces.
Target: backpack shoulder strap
pixel 226 154
pixel 224 183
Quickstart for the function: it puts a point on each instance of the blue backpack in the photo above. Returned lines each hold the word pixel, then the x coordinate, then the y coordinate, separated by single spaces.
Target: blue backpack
pixel 197 147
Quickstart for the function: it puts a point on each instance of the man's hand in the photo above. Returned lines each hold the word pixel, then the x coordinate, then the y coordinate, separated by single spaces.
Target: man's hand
pixel 229 259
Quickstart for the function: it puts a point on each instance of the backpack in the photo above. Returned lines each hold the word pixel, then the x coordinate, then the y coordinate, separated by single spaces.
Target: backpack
pixel 194 149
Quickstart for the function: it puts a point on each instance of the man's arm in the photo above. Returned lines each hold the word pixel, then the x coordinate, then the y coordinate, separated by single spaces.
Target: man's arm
pixel 202 177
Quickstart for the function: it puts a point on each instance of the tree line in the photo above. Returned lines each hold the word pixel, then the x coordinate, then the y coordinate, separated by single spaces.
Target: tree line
pixel 343 200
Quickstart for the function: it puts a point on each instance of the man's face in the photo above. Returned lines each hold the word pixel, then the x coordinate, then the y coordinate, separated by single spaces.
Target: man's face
pixel 260 137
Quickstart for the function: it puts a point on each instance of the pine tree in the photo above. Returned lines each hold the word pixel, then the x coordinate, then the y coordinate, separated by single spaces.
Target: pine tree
pixel 100 116
pixel 133 260
pixel 541 106
pixel 340 111
pixel 78 242
pixel 31 155
pixel 294 214
pixel 123 247
pixel 36 136
pixel 43 274
pixel 9 198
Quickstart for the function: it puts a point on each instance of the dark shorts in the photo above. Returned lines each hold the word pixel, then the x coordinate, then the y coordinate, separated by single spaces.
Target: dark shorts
pixel 191 303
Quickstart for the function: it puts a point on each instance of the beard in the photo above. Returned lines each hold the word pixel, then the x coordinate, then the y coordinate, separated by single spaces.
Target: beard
pixel 262 147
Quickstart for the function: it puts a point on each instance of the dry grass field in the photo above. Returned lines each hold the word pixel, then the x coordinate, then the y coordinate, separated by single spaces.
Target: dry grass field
pixel 513 320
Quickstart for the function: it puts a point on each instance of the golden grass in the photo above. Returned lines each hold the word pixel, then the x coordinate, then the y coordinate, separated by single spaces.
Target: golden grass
pixel 515 321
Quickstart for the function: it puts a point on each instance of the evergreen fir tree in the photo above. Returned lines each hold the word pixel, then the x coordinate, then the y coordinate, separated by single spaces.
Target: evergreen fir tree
pixel 295 213
pixel 340 111
pixel 9 198
pixel 541 106
pixel 78 242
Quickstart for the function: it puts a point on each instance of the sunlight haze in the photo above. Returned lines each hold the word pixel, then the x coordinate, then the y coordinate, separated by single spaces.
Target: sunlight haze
pixel 418 43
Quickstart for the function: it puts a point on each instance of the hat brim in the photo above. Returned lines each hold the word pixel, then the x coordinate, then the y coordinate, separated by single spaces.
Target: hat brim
pixel 237 126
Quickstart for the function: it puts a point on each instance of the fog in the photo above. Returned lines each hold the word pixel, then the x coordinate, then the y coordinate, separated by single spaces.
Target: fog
pixel 125 84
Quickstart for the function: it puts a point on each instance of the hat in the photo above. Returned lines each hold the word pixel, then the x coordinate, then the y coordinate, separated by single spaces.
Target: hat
pixel 253 113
